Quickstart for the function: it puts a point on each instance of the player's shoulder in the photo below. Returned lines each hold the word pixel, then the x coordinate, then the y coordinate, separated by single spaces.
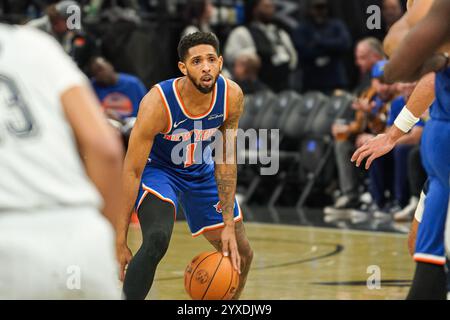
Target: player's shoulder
pixel 7 28
pixel 152 115
pixel 32 46
pixel 235 97
pixel 28 35
pixel 152 98
pixel 234 90
pixel 44 48
pixel 153 104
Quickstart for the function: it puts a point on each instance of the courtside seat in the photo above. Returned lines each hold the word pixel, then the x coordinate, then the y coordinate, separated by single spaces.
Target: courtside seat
pixel 253 107
pixel 336 107
pixel 318 166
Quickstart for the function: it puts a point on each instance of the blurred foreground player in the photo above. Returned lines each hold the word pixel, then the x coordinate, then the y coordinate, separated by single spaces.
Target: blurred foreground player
pixel 54 242
pixel 180 116
pixel 426 40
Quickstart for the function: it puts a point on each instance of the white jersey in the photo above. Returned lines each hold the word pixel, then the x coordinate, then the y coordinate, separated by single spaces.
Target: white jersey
pixel 39 162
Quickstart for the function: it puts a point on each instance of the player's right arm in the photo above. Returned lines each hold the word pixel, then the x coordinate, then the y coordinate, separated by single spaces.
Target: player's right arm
pixel 425 46
pixel 100 148
pixel 417 9
pixel 420 100
pixel 151 120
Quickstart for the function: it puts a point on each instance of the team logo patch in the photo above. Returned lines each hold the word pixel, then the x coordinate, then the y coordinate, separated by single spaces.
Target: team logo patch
pixel 218 207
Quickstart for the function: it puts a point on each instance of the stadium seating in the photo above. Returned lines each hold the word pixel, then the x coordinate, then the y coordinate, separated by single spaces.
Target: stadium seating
pixel 306 145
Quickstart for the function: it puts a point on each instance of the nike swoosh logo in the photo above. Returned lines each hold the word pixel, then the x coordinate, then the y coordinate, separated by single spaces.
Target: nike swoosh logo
pixel 177 124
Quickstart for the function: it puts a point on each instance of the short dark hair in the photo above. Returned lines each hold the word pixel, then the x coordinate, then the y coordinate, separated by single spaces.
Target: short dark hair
pixel 196 39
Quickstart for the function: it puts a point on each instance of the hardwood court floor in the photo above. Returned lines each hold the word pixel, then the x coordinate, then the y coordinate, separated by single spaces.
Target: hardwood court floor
pixel 297 262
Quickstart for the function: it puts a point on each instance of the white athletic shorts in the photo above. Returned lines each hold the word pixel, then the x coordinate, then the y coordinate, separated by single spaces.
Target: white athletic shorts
pixel 66 253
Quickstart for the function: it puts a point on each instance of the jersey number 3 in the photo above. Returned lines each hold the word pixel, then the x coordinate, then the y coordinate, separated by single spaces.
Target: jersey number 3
pixel 15 116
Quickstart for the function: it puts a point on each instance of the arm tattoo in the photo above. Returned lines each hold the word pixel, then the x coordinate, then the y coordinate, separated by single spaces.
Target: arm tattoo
pixel 226 186
pixel 226 172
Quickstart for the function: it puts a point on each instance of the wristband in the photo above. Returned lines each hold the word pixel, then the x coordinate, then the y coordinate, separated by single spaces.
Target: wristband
pixel 405 120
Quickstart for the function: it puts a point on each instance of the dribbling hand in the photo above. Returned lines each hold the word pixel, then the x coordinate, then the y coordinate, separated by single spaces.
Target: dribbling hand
pixel 229 246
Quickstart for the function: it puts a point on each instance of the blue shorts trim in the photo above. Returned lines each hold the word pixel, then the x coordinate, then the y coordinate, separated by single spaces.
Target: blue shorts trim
pixel 148 190
pixel 220 225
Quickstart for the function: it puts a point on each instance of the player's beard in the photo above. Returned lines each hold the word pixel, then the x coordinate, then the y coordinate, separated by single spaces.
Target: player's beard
pixel 204 90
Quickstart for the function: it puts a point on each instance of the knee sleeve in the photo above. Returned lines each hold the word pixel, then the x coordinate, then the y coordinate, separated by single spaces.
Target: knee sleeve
pixel 156 220
pixel 155 243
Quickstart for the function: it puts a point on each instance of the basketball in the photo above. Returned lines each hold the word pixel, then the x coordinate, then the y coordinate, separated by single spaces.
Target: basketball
pixel 211 276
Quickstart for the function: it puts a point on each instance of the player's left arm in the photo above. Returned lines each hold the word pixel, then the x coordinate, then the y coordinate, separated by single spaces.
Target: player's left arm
pixel 418 53
pixel 226 171
pixel 419 101
pixel 411 138
pixel 416 11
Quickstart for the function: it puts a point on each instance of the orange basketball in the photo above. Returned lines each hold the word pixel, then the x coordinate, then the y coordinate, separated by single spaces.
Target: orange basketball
pixel 211 276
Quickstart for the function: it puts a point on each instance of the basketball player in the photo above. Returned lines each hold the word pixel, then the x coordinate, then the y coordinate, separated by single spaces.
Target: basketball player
pixel 183 112
pixel 424 49
pixel 54 242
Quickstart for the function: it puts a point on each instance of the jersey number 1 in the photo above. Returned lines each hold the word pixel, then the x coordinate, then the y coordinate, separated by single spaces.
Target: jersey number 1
pixel 190 152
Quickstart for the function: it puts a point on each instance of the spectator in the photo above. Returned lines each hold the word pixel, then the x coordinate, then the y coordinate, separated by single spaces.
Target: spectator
pixel 370 119
pixel 416 172
pixel 417 177
pixel 198 14
pixel 272 44
pixel 321 43
pixel 119 93
pixel 368 51
pixel 397 160
pixel 76 43
pixel 245 73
